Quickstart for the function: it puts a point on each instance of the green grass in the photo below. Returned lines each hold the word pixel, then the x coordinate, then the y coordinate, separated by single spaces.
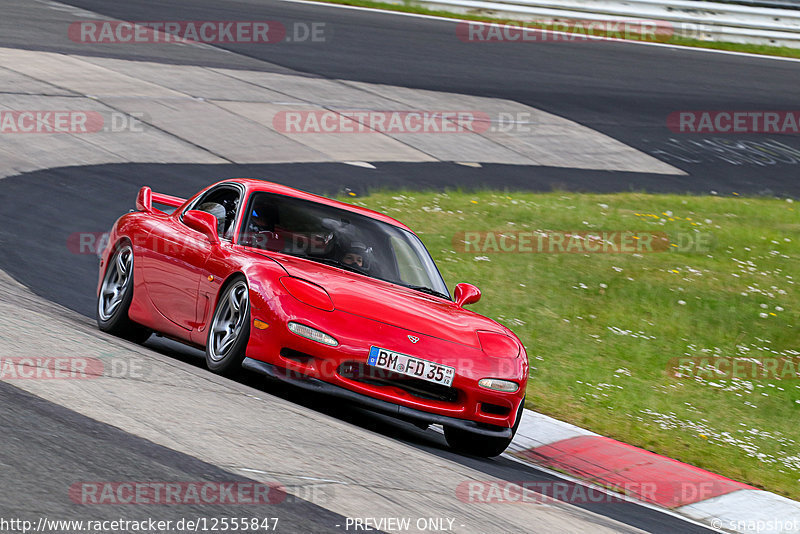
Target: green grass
pixel 410 7
pixel 600 329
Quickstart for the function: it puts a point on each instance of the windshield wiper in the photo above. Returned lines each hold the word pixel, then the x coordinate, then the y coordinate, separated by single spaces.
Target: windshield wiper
pixel 428 290
pixel 328 261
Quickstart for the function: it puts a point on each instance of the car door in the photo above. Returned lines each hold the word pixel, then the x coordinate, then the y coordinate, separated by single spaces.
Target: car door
pixel 179 254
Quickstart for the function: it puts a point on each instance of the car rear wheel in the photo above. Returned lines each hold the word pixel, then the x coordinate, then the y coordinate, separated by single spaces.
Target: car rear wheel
pixel 474 444
pixel 230 328
pixel 116 294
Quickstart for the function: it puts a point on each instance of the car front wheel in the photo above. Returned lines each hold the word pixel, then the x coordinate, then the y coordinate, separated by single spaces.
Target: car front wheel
pixel 474 444
pixel 230 328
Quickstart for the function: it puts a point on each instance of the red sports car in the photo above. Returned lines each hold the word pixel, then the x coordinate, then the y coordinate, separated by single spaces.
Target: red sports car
pixel 324 295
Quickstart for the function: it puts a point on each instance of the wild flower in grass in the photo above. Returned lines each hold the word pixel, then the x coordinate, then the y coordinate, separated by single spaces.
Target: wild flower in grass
pixel 749 440
pixel 428 209
pixel 630 333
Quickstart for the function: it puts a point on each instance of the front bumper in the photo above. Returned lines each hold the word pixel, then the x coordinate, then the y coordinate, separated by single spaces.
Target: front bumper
pixel 377 405
pixel 303 358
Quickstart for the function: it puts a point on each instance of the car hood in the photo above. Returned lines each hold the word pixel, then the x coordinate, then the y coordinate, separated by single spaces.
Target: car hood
pixel 392 304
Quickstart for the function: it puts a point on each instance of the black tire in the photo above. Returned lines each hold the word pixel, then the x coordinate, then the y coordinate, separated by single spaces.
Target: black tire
pixel 115 297
pixel 224 355
pixel 467 442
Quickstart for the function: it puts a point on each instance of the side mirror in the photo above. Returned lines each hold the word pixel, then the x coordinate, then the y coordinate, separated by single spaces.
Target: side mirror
pixel 144 201
pixel 203 222
pixel 467 294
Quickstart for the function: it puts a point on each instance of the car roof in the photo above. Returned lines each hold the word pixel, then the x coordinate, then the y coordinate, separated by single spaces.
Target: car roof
pixel 255 185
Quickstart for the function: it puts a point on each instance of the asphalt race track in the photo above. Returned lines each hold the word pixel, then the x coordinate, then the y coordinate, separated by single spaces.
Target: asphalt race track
pixel 625 91
pixel 140 428
pixel 45 446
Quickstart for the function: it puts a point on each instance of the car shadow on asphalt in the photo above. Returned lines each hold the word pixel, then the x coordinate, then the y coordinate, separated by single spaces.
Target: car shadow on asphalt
pixel 431 441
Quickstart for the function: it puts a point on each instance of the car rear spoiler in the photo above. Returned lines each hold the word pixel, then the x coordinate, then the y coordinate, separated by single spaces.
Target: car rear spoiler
pixel 146 199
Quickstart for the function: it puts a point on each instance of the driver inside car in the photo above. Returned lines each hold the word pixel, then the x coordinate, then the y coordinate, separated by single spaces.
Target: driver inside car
pixel 260 231
pixel 357 256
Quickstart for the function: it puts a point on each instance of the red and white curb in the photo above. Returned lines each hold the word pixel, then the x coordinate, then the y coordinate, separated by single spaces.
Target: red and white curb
pixel 711 499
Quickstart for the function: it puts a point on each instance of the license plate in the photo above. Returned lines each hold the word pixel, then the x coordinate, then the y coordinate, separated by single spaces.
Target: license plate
pixel 411 366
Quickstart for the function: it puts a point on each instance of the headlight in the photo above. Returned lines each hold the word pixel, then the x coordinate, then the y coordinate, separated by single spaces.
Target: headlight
pixel 312 333
pixel 498 345
pixel 498 385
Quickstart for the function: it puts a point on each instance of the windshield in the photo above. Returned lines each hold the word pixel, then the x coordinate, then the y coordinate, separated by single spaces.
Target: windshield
pixel 340 238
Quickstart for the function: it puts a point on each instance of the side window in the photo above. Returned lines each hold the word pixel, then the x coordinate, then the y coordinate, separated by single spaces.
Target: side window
pixel 262 227
pixel 222 203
